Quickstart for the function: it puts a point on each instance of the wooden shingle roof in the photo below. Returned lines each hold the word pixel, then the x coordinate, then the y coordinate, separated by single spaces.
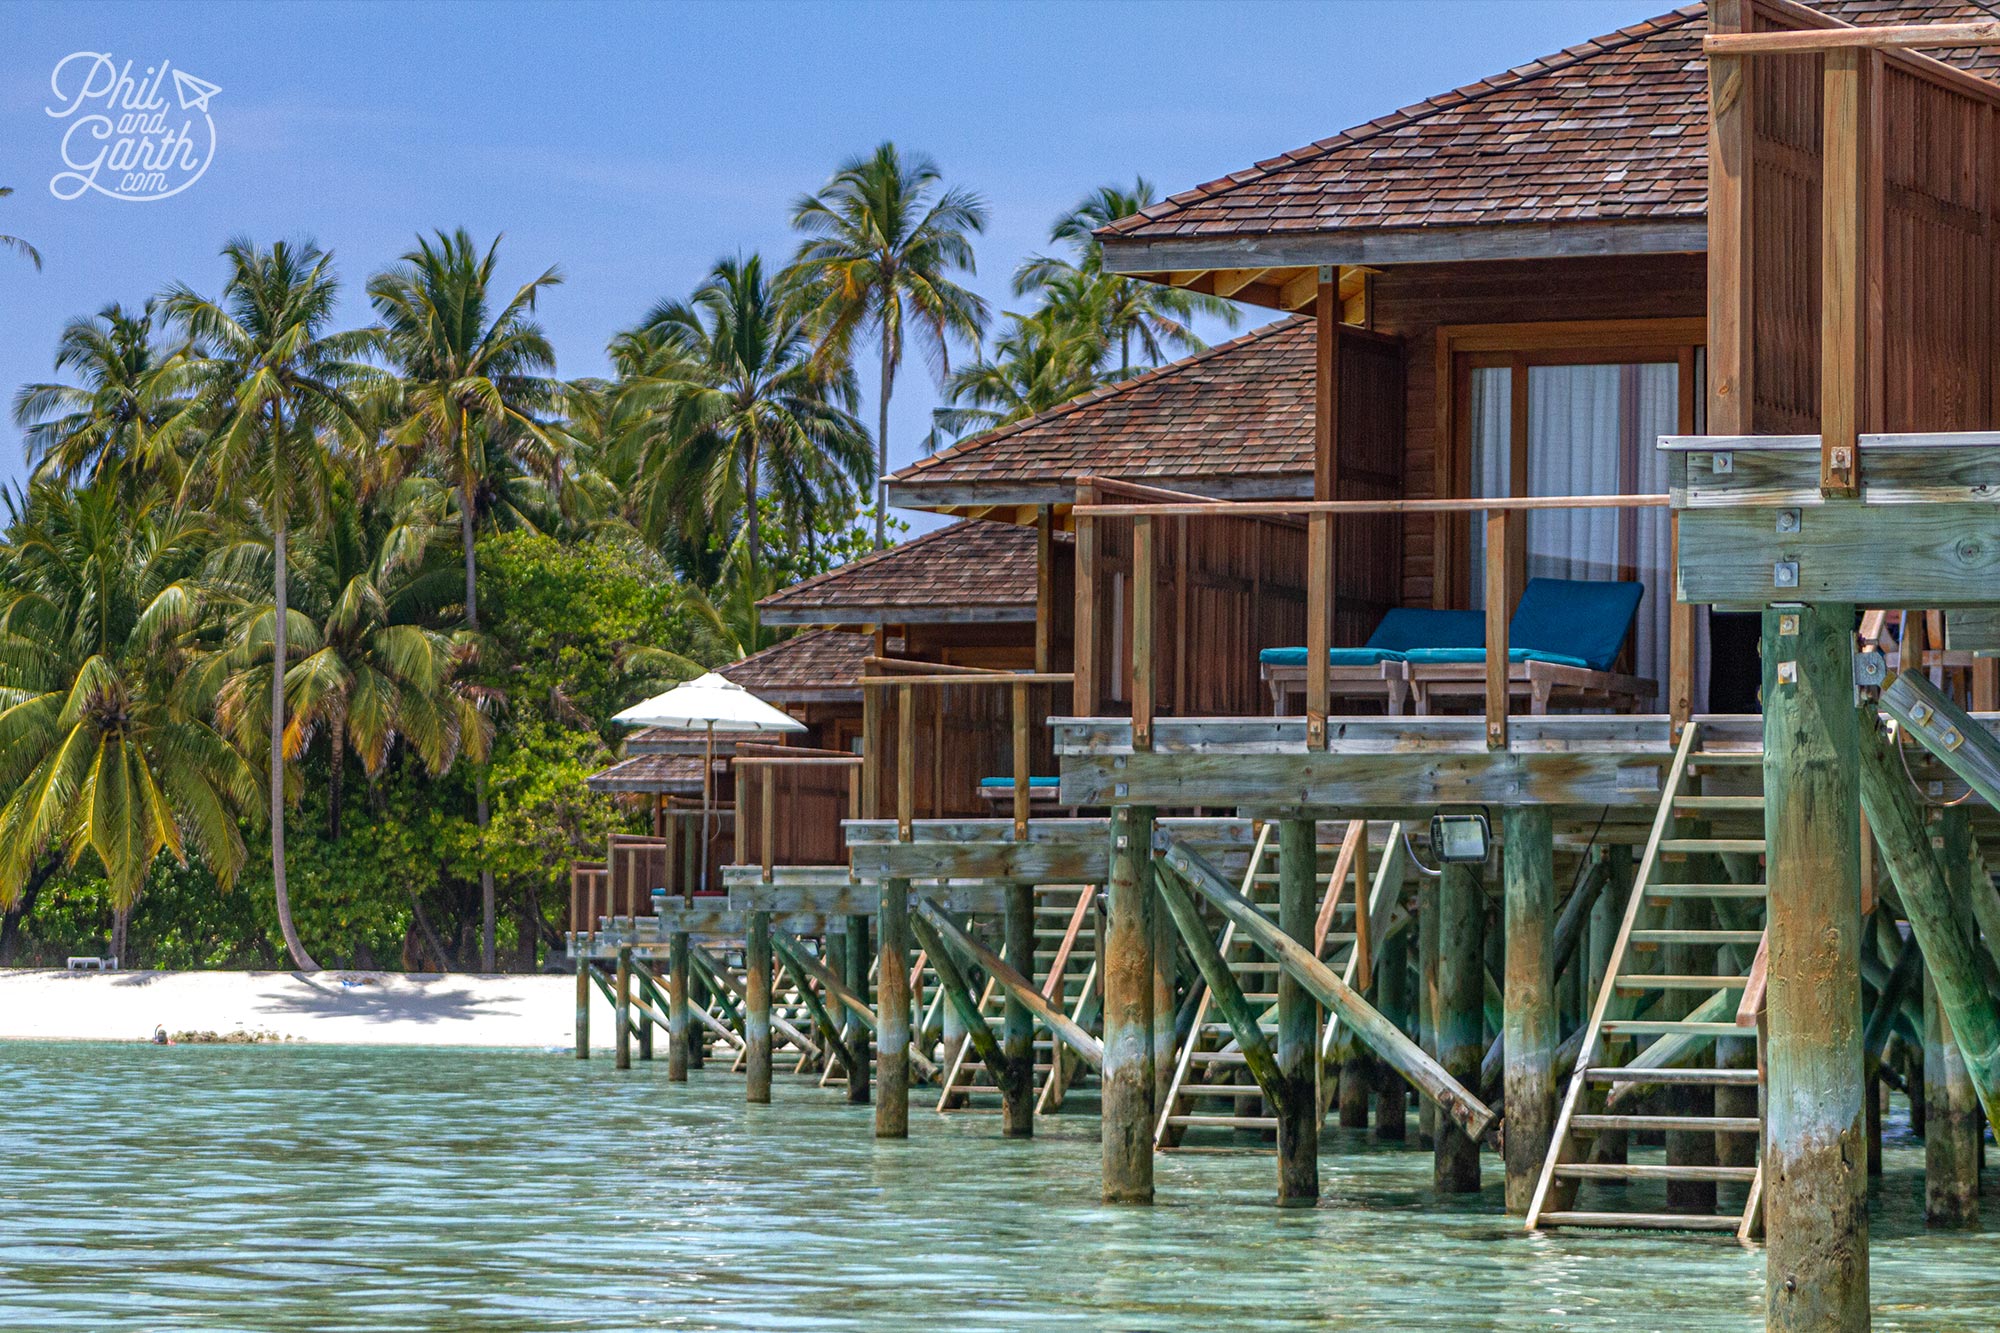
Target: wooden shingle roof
pixel 1234 421
pixel 969 571
pixel 1612 130
pixel 818 666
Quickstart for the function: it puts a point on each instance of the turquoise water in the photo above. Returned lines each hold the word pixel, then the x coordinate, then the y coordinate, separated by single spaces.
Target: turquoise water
pixel 311 1188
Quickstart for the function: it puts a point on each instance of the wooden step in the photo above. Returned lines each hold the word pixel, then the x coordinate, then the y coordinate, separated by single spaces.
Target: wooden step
pixel 1632 981
pixel 1649 1171
pixel 1665 891
pixel 1696 936
pixel 1727 758
pixel 1671 1027
pixel 1718 803
pixel 1692 1074
pixel 1230 1121
pixel 1641 1221
pixel 1713 846
pixel 1721 1124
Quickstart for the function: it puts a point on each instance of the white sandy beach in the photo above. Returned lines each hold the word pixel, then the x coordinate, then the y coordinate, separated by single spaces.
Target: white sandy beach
pixel 334 1008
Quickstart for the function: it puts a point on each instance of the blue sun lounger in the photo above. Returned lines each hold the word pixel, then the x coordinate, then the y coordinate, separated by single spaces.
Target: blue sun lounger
pixel 1378 669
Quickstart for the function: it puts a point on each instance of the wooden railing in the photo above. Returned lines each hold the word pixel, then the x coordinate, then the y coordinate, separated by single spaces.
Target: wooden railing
pixel 818 787
pixel 589 888
pixel 902 680
pixel 1320 517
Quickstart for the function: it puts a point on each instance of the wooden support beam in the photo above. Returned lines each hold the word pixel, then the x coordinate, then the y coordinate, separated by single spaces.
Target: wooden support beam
pixel 1875 37
pixel 892 1011
pixel 1529 1029
pixel 959 994
pixel 1045 588
pixel 1461 999
pixel 757 1009
pixel 1938 918
pixel 583 966
pixel 1014 982
pixel 1498 609
pixel 1319 627
pixel 1392 991
pixel 860 1020
pixel 621 1012
pixel 906 758
pixel 832 1041
pixel 1427 979
pixel 1844 352
pixel 1297 1070
pixel 1128 1114
pixel 1145 588
pixel 1952 1128
pixel 1815 1173
pixel 679 1037
pixel 1460 1106
pixel 1017 1019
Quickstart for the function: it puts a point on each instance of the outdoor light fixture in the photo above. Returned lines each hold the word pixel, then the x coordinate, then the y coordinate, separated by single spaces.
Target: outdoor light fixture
pixel 1460 838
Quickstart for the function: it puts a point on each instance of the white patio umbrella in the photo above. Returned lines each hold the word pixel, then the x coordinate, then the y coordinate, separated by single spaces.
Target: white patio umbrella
pixel 708 703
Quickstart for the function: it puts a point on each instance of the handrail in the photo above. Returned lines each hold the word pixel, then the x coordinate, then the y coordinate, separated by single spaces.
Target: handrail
pixel 1500 512
pixel 765 765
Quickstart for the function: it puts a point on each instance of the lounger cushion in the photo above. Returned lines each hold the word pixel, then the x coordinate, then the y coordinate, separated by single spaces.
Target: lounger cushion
pixel 1581 621
pixel 1296 657
pixel 1038 784
pixel 1451 656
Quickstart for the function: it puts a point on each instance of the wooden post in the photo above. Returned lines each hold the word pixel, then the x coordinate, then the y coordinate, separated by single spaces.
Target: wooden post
pixel 1084 689
pixel 1144 585
pixel 892 1011
pixel 1815 1173
pixel 641 1013
pixel 1731 147
pixel 1392 992
pixel 857 1032
pixel 1045 588
pixel 1128 1012
pixel 1497 612
pixel 906 759
pixel 1427 996
pixel 677 1006
pixel 1461 1001
pixel 1843 380
pixel 621 1013
pixel 1530 1020
pixel 757 1009
pixel 1319 626
pixel 871 751
pixel 1951 1124
pixel 1298 1020
pixel 582 1003
pixel 1680 648
pixel 1022 771
pixel 1017 1024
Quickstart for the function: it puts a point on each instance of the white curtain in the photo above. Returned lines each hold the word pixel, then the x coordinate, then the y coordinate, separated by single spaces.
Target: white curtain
pixel 1592 430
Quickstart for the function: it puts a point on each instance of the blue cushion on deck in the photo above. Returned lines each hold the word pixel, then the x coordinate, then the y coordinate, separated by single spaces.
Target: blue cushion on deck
pixel 1402 629
pixel 1295 657
pixel 1584 621
pixel 1008 782
pixel 1450 656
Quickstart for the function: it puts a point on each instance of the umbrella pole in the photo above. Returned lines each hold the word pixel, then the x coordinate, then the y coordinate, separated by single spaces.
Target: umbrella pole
pixel 707 802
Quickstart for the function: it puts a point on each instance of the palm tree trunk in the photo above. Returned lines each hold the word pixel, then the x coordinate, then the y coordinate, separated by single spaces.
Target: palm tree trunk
pixel 882 450
pixel 756 535
pixel 120 918
pixel 482 813
pixel 337 737
pixel 279 590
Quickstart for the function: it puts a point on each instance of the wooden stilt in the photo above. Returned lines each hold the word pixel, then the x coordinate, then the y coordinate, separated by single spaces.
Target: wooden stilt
pixel 1952 1130
pixel 1166 1009
pixel 857 1035
pixel 697 993
pixel 1298 1020
pixel 677 1007
pixel 1427 996
pixel 757 1009
pixel 1815 1179
pixel 1530 1020
pixel 621 1012
pixel 583 1008
pixel 1460 1003
pixel 1017 1024
pixel 1392 980
pixel 1128 1103
pixel 892 1011
pixel 645 1033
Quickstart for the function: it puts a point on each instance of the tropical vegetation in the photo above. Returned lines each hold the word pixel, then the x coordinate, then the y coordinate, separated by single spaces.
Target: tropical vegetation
pixel 323 589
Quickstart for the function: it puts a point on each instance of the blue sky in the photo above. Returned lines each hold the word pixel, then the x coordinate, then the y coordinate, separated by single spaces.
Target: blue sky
pixel 634 144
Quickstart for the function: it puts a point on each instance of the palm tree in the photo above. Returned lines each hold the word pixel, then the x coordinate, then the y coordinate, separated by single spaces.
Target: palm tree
pixel 101 749
pixel 15 243
pixel 372 673
pixel 883 239
pixel 1041 361
pixel 470 385
pixel 278 389
pixel 1157 317
pixel 128 415
pixel 757 411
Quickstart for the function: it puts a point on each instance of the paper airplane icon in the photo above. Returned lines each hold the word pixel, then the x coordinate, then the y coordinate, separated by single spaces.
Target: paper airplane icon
pixel 194 93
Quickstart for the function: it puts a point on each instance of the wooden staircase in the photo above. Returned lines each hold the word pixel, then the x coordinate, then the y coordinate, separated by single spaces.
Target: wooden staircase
pixel 1065 964
pixel 1677 972
pixel 1212 1087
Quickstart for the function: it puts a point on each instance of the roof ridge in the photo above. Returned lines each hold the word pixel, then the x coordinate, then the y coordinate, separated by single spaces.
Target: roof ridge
pixel 1416 111
pixel 1281 325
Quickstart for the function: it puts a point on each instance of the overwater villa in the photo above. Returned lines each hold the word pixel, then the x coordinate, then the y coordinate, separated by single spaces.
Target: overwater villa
pixel 1549 671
